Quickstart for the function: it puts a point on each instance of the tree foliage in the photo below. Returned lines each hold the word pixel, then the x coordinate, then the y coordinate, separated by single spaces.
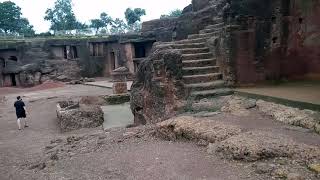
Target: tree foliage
pixel 174 13
pixel 96 24
pixel 25 28
pixel 134 15
pixel 104 21
pixel 118 26
pixel 62 16
pixel 11 20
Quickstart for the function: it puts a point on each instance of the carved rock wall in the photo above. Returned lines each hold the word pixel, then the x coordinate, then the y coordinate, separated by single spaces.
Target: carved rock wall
pixel 274 40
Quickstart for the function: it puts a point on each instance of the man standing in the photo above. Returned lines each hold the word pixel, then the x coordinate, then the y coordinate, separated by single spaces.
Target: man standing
pixel 20 112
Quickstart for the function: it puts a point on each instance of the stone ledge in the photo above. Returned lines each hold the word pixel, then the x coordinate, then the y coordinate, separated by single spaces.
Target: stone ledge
pixel 117 98
pixel 286 102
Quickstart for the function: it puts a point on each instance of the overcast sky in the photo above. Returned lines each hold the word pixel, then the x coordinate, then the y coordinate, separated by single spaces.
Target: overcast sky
pixel 85 10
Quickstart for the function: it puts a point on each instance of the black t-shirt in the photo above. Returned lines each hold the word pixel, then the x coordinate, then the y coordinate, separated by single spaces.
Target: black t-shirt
pixel 19 105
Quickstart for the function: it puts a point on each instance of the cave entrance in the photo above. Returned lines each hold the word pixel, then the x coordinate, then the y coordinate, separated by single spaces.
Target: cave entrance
pixel 112 61
pixel 285 7
pixel 140 50
pixel 65 52
pixel 70 52
pixel 2 63
pixel 74 52
pixel 13 58
pixel 13 80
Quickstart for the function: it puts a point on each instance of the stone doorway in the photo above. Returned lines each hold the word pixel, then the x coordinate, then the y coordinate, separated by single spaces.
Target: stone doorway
pixel 140 50
pixel 13 79
pixel 112 61
pixel 2 63
pixel 2 66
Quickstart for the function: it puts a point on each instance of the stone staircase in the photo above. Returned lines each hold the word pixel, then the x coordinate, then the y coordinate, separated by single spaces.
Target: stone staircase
pixel 201 74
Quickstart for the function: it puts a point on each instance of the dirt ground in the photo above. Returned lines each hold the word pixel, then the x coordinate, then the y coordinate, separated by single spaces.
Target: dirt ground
pixel 41 151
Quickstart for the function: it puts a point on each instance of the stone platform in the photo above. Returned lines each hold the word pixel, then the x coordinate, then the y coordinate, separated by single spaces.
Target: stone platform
pixel 106 84
pixel 300 94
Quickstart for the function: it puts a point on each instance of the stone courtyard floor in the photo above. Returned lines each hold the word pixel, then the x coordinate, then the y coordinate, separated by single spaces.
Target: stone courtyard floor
pixel 43 152
pixel 300 91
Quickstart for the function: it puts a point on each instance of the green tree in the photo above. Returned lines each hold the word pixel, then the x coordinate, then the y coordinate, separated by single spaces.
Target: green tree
pixel 11 20
pixel 134 15
pixel 118 26
pixel 62 16
pixel 174 13
pixel 96 24
pixel 25 28
pixel 104 21
pixel 136 27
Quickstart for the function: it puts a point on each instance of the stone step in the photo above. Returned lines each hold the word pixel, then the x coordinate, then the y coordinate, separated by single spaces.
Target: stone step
pixel 196 56
pixel 195 50
pixel 205 86
pixel 188 45
pixel 199 63
pixel 212 93
pixel 188 41
pixel 202 78
pixel 200 70
pixel 206 35
pixel 214 26
pixel 214 30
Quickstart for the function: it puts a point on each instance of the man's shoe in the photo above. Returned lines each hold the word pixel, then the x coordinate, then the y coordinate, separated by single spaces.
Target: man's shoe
pixel 26 126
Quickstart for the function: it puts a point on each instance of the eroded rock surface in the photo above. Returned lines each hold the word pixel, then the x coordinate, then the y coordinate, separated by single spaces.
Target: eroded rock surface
pixel 158 88
pixel 73 115
pixel 240 106
pixel 195 128
pixel 257 145
pixel 304 118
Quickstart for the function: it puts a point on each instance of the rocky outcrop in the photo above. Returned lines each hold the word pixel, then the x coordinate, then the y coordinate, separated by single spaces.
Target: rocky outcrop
pixel 198 67
pixel 235 142
pixel 73 116
pixel 194 18
pixel 258 145
pixel 157 89
pixel 196 129
pixel 32 64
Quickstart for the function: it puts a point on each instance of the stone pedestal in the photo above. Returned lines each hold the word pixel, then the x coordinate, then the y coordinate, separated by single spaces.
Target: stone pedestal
pixel 119 78
pixel 119 87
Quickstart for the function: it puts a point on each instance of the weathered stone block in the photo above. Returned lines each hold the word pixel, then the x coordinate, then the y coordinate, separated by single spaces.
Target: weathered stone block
pixel 73 116
pixel 119 88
